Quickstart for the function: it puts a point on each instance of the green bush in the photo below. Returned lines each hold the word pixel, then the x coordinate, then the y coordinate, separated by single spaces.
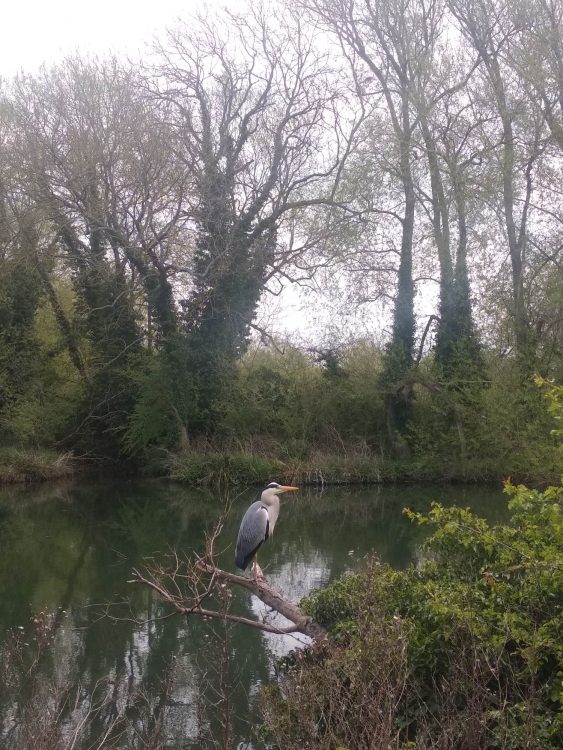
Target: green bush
pixel 469 643
pixel 482 429
pixel 303 402
pixel 39 405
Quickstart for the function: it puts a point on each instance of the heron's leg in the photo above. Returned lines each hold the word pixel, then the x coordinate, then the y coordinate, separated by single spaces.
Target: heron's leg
pixel 257 571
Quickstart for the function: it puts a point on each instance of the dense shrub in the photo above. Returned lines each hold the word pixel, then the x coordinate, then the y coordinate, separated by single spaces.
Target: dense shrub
pixel 495 426
pixel 464 651
pixel 297 398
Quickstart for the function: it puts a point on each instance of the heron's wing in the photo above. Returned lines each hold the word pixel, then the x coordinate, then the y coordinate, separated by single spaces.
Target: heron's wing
pixel 253 532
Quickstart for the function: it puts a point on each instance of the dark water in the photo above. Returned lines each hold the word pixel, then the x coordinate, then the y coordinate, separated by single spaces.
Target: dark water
pixel 69 550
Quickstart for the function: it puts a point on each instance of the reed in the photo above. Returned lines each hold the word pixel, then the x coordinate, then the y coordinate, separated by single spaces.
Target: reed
pixel 34 465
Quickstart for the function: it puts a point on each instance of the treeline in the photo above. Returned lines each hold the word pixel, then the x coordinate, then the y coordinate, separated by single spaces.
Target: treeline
pixel 146 209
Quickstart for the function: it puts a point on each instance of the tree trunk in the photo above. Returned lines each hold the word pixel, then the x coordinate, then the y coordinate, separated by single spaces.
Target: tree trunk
pixel 64 324
pixel 399 354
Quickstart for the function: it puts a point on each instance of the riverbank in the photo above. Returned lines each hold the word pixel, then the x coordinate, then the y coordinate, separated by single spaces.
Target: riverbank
pixel 34 465
pixel 211 467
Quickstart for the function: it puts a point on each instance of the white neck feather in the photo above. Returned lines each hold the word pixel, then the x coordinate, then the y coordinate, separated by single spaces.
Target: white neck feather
pixel 271 500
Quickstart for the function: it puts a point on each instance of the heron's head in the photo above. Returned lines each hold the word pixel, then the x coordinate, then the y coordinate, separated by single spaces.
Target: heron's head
pixel 271 491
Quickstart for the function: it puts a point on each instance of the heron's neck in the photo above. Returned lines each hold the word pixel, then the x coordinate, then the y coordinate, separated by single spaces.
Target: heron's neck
pixel 272 503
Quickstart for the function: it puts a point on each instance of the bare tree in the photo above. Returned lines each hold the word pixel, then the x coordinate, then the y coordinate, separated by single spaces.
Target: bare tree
pixel 535 55
pixel 488 26
pixel 258 124
pixel 535 51
pixel 448 121
pixel 92 155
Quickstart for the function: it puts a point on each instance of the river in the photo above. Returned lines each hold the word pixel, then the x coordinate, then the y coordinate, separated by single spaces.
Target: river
pixel 67 551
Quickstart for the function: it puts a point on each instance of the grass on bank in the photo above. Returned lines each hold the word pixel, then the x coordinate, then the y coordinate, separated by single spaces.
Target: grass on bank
pixel 211 467
pixel 239 467
pixel 34 465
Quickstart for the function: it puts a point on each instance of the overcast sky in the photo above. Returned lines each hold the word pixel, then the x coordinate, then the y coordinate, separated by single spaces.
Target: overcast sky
pixel 37 31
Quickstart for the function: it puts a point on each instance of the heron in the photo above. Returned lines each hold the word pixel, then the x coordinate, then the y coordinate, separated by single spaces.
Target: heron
pixel 258 524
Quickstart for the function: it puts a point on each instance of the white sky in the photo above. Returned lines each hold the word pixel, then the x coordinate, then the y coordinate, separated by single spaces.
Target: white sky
pixel 37 31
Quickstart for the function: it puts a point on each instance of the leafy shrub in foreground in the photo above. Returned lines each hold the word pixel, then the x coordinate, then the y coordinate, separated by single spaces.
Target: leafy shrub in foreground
pixel 469 645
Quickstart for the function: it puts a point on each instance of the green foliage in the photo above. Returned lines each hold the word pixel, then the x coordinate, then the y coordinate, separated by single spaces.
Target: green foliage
pixel 457 348
pixel 46 389
pixel 481 620
pixel 224 468
pixel 326 422
pixel 483 428
pixel 53 397
pixel 274 395
pixel 553 394
pixel 336 606
pixel 39 386
pixel 230 266
pixel 32 465
pixel 19 298
pixel 293 400
pixel 110 325
pixel 154 421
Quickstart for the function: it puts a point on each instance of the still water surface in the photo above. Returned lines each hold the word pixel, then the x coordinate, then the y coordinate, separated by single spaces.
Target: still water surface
pixel 69 549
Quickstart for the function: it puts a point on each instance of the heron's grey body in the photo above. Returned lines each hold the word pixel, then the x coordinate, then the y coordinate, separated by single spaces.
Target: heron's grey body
pixel 258 523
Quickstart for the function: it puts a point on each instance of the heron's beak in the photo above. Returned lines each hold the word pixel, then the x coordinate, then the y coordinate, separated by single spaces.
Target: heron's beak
pixel 287 488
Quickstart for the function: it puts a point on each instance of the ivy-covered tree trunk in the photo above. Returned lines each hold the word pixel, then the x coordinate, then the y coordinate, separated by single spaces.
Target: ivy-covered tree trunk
pixel 110 324
pixel 20 292
pixel 458 352
pixel 230 272
pixel 399 355
pixel 111 328
pixel 257 146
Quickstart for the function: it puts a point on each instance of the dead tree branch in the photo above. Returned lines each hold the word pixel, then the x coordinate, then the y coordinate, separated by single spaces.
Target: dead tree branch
pixel 187 584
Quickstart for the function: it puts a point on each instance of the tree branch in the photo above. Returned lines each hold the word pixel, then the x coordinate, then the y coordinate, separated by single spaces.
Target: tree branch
pixel 260 588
